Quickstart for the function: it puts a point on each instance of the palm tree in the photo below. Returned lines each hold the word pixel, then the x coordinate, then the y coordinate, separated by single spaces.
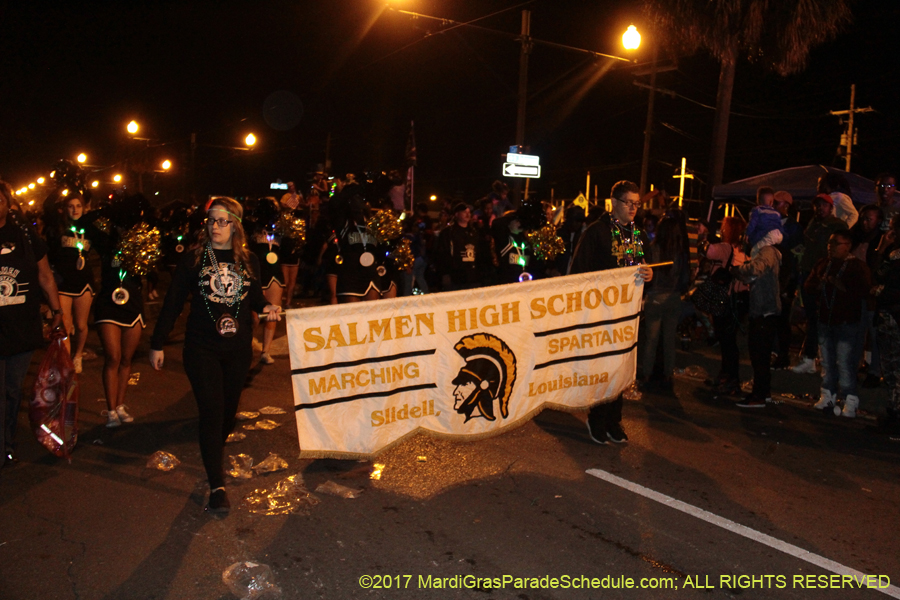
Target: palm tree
pixel 777 33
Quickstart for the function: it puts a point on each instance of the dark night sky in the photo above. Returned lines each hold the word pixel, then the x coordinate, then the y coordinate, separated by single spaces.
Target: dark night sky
pixel 74 73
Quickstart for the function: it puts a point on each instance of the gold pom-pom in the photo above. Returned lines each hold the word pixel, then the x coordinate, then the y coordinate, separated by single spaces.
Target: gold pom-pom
pixel 384 226
pixel 294 228
pixel 102 223
pixel 139 249
pixel 545 243
pixel 402 256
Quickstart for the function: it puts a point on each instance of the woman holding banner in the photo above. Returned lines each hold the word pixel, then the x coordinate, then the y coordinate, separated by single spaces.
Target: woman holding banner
pixel 612 241
pixel 220 276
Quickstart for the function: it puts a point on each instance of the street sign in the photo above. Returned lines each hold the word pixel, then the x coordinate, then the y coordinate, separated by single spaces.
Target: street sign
pixel 514 170
pixel 523 159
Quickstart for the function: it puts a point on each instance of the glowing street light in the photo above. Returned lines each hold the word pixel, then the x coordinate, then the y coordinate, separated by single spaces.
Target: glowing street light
pixel 31 203
pixel 81 157
pixel 65 192
pixel 166 165
pixel 117 178
pixel 95 184
pixel 30 186
pixel 132 127
pixel 631 39
pixel 40 180
pixel 250 140
pixel 433 198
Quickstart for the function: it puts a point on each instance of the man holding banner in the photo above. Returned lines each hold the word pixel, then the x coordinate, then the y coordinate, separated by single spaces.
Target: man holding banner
pixel 612 241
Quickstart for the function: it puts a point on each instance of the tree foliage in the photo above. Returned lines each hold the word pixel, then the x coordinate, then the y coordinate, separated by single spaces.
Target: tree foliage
pixel 776 33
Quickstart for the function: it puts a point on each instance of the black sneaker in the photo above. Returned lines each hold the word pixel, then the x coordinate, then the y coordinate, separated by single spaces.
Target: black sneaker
pixel 752 401
pixel 596 430
pixel 218 501
pixel 616 434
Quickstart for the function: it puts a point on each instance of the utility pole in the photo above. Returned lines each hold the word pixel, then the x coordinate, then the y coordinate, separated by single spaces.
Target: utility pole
pixel 525 40
pixel 648 128
pixel 193 162
pixel 848 139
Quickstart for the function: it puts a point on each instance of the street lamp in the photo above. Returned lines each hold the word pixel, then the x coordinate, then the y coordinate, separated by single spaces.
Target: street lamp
pixel 65 192
pixel 631 39
pixel 95 184
pixel 40 180
pixel 250 140
pixel 132 127
pixel 117 178
pixel 30 186
pixel 81 157
pixel 166 165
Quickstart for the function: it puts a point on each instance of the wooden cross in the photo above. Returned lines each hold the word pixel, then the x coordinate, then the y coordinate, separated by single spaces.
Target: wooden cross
pixel 682 177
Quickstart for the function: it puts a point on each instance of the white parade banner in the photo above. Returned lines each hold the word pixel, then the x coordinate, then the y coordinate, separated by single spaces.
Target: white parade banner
pixel 461 364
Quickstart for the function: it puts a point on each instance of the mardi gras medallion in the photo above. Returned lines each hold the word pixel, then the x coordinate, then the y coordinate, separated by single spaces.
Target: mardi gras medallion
pixel 120 296
pixel 367 259
pixel 226 326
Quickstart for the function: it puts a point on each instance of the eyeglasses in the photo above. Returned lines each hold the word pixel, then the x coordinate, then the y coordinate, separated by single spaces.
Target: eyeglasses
pixel 630 204
pixel 222 223
pixel 886 186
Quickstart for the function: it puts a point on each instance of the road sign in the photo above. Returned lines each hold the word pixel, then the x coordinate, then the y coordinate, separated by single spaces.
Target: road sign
pixel 514 170
pixel 523 159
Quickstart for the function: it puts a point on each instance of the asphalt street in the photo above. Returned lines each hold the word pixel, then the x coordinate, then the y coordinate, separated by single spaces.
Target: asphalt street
pixel 704 498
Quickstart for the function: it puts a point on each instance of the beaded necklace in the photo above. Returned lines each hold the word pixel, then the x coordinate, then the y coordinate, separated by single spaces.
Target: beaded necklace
pixel 236 299
pixel 626 244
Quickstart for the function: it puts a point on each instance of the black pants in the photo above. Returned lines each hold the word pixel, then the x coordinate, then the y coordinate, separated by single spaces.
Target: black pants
pixel 784 328
pixel 761 336
pixel 217 380
pixel 726 328
pixel 811 308
pixel 607 413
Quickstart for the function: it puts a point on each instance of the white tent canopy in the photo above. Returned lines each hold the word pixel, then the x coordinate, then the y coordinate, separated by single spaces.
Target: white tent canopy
pixel 800 182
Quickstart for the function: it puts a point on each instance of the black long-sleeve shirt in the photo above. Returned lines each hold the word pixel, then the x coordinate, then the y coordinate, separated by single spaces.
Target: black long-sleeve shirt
pixel 189 279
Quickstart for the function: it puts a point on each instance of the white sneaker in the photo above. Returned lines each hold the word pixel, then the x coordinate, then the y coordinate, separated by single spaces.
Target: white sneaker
pixel 123 414
pixel 77 362
pixel 806 365
pixel 851 403
pixel 826 400
pixel 112 418
pixel 266 359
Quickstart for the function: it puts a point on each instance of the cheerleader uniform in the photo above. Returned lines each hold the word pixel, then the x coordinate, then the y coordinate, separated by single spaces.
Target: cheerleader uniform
pixel 357 261
pixel 289 250
pixel 66 258
pixel 267 248
pixel 120 300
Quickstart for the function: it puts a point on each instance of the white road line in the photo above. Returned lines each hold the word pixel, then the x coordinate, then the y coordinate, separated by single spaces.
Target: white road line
pixel 762 538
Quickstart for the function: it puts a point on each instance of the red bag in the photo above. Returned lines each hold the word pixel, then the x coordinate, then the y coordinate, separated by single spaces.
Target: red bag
pixel 53 411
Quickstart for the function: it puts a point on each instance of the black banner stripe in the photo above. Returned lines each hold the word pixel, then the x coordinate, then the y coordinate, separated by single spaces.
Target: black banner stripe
pixel 587 325
pixel 409 388
pixel 362 361
pixel 589 357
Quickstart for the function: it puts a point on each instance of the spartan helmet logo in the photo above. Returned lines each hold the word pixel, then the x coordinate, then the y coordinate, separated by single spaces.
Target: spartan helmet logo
pixel 488 375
